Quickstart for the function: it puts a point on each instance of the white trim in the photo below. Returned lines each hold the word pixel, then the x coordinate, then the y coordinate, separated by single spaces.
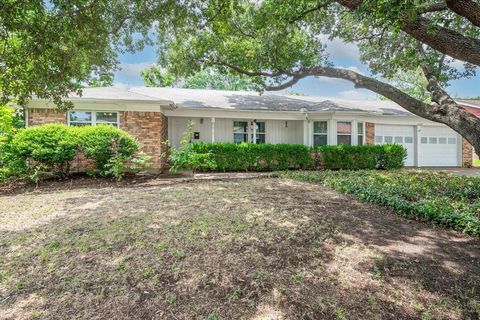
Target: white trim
pixel 213 129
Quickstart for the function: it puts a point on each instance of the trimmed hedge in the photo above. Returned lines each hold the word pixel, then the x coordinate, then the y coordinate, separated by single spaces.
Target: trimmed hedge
pixel 390 156
pixel 223 156
pixel 439 198
pixel 255 157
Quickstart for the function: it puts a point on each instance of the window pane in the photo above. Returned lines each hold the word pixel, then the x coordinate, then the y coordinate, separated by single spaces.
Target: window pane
pixel 320 127
pixel 240 126
pixel 424 140
pixel 388 139
pixel 344 127
pixel 378 139
pixel 442 140
pixel 432 140
pixel 320 140
pixel 360 140
pixel 360 128
pixel 344 139
pixel 408 140
pixel 398 139
pixel 260 126
pixel 80 116
pixel 239 137
pixel 260 138
pixel 106 117
pixel 80 124
pixel 452 140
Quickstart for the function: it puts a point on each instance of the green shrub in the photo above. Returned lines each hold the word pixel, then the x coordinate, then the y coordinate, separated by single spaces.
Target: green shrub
pixel 439 198
pixel 52 147
pixel 389 156
pixel 255 157
pixel 106 146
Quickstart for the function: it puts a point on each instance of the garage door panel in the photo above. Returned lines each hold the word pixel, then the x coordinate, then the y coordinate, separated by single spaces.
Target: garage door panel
pixel 438 147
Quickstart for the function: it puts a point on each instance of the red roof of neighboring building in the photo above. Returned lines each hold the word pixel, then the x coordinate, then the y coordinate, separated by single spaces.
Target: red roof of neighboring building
pixel 471 105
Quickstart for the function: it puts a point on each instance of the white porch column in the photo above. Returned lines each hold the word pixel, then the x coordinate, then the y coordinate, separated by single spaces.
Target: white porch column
pixel 305 133
pixel 354 133
pixel 416 144
pixel 213 129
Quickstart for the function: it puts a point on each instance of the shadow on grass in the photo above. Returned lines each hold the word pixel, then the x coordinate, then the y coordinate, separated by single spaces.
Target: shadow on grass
pixel 242 249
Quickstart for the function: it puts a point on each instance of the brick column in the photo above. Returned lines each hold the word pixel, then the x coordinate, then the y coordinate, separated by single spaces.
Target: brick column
pixel 369 133
pixel 467 154
pixel 151 130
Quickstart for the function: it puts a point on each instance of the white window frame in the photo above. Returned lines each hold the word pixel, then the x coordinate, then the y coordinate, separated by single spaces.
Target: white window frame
pixel 247 132
pixel 93 122
pixel 361 135
pixel 255 132
pixel 251 132
pixel 320 134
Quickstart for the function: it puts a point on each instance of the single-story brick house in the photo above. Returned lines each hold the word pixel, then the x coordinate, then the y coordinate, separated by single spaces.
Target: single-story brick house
pixel 154 115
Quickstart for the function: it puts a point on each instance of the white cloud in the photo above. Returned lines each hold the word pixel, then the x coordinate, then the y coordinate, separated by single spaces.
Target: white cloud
pixel 357 95
pixel 129 73
pixel 339 49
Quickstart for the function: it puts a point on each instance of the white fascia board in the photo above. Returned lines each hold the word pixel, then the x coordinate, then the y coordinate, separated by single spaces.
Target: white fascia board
pixel 235 114
pixel 107 105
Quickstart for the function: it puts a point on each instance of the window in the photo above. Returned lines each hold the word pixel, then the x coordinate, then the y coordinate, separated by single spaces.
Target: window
pixel 80 118
pixel 360 133
pixel 432 140
pixel 452 140
pixel 260 132
pixel 423 140
pixel 240 131
pixel 344 133
pixel 408 140
pixel 320 133
pixel 388 139
pixel 399 140
pixel 378 139
pixel 442 140
pixel 90 118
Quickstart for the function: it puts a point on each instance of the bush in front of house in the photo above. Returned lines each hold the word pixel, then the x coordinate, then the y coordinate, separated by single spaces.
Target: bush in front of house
pixel 107 146
pixel 255 157
pixel 390 156
pixel 441 199
pixel 50 147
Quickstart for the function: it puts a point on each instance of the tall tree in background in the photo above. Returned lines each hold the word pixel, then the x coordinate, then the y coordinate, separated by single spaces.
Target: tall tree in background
pixel 280 42
pixel 203 79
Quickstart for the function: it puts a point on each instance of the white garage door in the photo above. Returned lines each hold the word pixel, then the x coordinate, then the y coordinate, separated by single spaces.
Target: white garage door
pixel 402 135
pixel 438 146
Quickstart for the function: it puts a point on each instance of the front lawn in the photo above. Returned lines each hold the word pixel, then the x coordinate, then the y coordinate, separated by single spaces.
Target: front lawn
pixel 437 197
pixel 235 249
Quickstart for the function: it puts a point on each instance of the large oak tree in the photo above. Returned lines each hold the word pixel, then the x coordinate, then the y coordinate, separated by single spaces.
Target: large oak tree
pixel 279 42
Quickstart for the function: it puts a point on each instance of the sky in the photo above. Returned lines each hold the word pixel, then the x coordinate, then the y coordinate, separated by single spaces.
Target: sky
pixel 342 54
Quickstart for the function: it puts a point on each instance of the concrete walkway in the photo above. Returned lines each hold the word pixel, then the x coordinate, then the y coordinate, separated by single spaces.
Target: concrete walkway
pixel 468 172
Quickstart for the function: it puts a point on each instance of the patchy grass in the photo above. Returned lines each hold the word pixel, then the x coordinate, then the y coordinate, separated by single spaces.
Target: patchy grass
pixel 476 162
pixel 440 198
pixel 237 249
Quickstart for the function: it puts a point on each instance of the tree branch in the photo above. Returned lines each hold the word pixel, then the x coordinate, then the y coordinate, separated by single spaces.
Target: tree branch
pixel 442 39
pixel 466 8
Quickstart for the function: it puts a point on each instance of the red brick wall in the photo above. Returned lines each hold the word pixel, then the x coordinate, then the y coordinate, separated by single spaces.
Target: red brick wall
pixel 369 133
pixel 150 128
pixel 467 154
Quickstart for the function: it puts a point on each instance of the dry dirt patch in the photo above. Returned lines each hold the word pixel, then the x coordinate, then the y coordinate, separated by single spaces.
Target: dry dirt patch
pixel 236 249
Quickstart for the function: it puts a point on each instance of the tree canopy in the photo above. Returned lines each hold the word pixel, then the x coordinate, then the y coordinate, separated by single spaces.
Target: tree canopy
pixel 281 42
pixel 204 79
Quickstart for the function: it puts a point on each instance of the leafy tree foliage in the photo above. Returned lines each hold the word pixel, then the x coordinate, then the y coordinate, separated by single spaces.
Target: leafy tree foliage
pixel 203 79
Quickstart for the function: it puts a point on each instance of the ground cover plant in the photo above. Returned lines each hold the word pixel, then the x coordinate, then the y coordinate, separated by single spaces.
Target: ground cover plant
pixel 236 249
pixel 439 198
